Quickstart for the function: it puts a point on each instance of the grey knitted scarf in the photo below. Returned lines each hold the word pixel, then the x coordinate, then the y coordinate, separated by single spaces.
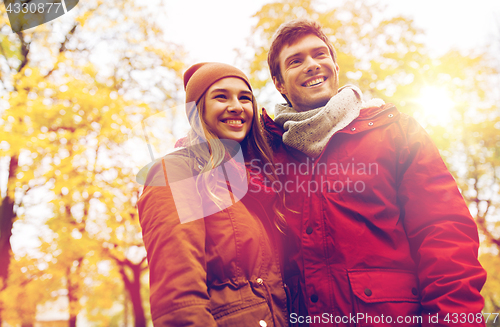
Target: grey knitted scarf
pixel 311 130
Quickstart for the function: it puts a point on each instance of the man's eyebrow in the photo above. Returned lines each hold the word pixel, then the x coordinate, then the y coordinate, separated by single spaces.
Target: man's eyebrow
pixel 323 47
pixel 298 54
pixel 287 59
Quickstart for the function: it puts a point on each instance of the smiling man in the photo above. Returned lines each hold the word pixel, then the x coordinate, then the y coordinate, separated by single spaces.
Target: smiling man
pixel 311 90
pixel 378 232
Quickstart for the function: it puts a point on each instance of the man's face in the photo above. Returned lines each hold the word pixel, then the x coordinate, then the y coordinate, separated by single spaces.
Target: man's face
pixel 310 77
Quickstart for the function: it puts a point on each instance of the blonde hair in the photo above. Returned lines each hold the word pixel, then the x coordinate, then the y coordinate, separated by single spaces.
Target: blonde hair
pixel 254 146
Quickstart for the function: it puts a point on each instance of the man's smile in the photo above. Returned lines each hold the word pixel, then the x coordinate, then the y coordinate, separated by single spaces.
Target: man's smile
pixel 315 81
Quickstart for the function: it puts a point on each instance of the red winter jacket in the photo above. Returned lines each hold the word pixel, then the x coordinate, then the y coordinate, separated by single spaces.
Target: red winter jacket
pixel 382 235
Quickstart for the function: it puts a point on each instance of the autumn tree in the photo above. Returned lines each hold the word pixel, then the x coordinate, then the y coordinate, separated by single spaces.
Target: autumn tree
pixel 383 55
pixel 70 105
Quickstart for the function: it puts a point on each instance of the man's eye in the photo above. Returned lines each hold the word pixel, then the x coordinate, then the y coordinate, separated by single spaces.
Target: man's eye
pixel 294 62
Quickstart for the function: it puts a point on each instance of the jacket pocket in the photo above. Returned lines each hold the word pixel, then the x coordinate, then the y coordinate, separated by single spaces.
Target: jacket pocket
pixel 245 315
pixel 385 297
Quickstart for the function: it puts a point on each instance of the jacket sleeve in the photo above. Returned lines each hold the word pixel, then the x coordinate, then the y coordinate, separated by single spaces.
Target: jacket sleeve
pixel 175 251
pixel 442 234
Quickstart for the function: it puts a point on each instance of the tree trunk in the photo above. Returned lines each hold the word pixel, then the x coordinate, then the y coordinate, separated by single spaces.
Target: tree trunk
pixel 6 221
pixel 133 288
pixel 7 217
pixel 72 321
pixel 135 295
pixel 72 299
pixel 73 290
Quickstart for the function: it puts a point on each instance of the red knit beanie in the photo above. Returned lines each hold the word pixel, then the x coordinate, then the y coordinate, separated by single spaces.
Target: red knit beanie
pixel 199 77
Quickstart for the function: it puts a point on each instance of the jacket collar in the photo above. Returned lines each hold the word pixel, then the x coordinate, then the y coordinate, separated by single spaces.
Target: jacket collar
pixel 375 116
pixel 270 125
pixel 372 117
pixel 369 118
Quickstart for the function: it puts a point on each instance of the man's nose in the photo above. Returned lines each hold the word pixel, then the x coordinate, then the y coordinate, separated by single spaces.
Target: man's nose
pixel 311 65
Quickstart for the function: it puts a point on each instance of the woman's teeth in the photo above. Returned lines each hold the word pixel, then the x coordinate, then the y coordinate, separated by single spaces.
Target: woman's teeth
pixel 233 122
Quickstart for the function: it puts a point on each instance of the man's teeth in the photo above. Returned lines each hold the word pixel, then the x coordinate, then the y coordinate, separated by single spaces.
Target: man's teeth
pixel 315 81
pixel 233 122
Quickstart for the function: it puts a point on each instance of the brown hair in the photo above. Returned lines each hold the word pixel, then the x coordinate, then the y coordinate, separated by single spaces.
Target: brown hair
pixel 289 33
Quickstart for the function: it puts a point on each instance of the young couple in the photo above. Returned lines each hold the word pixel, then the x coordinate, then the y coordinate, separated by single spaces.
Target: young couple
pixel 386 240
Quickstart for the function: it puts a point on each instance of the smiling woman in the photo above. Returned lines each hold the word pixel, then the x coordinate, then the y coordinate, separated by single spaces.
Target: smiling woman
pixel 230 113
pixel 210 224
pixel 436 105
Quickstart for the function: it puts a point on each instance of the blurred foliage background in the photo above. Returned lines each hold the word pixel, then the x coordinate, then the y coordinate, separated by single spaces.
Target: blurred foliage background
pixel 72 90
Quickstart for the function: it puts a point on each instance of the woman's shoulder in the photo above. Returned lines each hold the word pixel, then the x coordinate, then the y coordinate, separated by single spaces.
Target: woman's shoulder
pixel 178 162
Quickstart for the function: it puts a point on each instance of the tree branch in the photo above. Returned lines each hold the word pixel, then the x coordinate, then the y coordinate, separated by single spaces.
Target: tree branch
pixel 63 48
pixel 25 49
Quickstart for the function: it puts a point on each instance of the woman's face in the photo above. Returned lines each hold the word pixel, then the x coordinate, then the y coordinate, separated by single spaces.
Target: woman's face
pixel 229 109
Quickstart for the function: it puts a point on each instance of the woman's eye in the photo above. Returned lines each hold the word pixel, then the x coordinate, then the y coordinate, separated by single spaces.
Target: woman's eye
pixel 246 98
pixel 220 96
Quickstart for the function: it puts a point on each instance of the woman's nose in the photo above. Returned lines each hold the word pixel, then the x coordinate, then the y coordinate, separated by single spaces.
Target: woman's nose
pixel 235 107
pixel 235 110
